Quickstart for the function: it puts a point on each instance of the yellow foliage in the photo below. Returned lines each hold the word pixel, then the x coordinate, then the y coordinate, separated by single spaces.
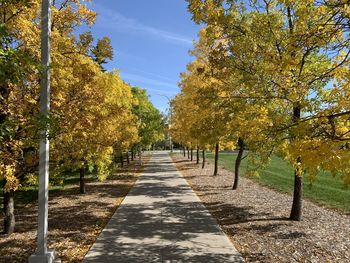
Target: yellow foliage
pixel 263 73
pixel 91 110
pixel 7 172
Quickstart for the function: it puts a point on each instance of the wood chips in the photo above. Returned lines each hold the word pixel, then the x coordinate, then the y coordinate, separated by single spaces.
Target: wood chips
pixel 256 219
pixel 75 220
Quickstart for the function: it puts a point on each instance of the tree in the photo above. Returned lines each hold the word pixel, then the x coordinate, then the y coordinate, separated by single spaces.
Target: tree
pixel 150 120
pixel 91 110
pixel 282 55
pixel 17 63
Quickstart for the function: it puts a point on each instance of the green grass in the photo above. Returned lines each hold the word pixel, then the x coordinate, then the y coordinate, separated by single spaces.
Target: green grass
pixel 28 194
pixel 327 190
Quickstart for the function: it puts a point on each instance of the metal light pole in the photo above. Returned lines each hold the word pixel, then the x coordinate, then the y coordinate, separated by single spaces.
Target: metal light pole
pixel 170 116
pixel 43 254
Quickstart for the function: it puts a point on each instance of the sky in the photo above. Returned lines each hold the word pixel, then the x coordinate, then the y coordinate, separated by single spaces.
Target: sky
pixel 151 41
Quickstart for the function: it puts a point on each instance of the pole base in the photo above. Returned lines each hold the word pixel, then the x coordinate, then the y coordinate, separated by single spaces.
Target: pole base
pixel 49 257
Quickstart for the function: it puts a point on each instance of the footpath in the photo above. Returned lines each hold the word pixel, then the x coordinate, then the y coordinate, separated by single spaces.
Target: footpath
pixel 162 220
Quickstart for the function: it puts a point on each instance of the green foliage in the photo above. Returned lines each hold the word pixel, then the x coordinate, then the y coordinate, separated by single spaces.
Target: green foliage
pixel 151 121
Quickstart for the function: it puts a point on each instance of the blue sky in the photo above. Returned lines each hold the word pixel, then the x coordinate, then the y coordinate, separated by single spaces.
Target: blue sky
pixel 151 40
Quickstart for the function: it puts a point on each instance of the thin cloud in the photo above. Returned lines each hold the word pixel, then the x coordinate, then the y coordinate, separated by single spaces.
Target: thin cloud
pixel 153 75
pixel 116 21
pixel 157 85
pixel 138 58
pixel 160 91
pixel 121 54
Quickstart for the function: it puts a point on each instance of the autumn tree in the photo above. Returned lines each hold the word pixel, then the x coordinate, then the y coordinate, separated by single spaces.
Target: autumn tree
pixel 18 66
pixel 285 53
pixel 91 110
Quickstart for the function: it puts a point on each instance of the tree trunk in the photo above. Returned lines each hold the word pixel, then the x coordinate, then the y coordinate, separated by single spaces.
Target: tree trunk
pixel 9 211
pixel 82 180
pixel 297 205
pixel 216 163
pixel 8 197
pixel 191 154
pixel 296 212
pixel 188 153
pixel 238 163
pixel 140 157
pixel 132 155
pixel 203 157
pixel 121 160
pixel 127 157
pixel 197 160
pixel 184 151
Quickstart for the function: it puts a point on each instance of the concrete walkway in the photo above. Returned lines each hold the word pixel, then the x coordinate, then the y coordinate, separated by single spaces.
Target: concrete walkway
pixel 162 220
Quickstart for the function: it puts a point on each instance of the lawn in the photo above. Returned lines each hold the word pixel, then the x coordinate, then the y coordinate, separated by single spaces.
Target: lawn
pixel 326 190
pixel 28 194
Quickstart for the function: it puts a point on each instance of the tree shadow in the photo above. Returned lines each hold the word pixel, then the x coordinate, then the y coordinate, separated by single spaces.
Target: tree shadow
pixel 161 220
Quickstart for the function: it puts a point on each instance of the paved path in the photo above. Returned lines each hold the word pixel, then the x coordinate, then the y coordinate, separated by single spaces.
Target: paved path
pixel 162 220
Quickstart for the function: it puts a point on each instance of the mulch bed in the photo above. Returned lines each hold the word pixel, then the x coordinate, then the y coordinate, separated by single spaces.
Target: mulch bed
pixel 256 219
pixel 75 220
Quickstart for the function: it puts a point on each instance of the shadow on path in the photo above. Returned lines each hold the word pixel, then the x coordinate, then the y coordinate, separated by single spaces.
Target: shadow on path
pixel 162 220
